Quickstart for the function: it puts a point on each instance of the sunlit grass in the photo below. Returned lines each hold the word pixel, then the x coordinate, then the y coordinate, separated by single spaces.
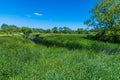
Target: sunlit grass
pixel 22 59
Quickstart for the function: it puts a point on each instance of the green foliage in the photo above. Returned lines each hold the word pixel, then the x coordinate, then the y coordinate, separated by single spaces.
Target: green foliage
pixel 37 30
pixel 80 31
pixel 26 30
pixel 55 29
pixel 5 28
pixel 21 59
pixel 60 29
pixel 10 29
pixel 105 14
pixel 66 30
pixel 48 31
pixel 79 42
pixel 106 18
pixel 13 29
pixel 110 35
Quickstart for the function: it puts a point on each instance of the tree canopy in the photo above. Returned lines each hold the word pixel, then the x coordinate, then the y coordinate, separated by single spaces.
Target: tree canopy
pixel 105 14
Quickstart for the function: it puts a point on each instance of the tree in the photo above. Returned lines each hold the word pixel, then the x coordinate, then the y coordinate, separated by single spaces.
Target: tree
pixel 47 31
pixel 26 30
pixel 55 30
pixel 60 29
pixel 41 30
pixel 80 30
pixel 66 30
pixel 13 29
pixel 105 14
pixel 5 28
pixel 36 30
pixel 106 18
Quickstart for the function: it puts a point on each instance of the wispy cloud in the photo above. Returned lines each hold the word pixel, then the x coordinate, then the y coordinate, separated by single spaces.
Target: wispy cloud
pixel 38 14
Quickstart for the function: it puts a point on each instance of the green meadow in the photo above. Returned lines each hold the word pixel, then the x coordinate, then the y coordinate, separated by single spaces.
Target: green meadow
pixel 58 57
pixel 59 40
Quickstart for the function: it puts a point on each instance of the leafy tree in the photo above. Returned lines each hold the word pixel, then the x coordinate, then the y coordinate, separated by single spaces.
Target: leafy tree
pixel 47 31
pixel 26 30
pixel 13 29
pixel 5 28
pixel 66 30
pixel 55 30
pixel 106 18
pixel 9 28
pixel 41 30
pixel 105 14
pixel 60 29
pixel 36 30
pixel 80 30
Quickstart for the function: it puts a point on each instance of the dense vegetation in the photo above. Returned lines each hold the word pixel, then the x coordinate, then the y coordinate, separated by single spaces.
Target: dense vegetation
pixel 61 53
pixel 106 18
pixel 13 29
pixel 25 60
pixel 79 42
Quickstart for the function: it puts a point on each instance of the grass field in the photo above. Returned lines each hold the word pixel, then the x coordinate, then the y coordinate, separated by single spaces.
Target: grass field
pixel 22 59
pixel 80 42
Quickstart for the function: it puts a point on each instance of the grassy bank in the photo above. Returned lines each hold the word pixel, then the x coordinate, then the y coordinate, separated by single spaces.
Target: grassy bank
pixel 80 42
pixel 22 59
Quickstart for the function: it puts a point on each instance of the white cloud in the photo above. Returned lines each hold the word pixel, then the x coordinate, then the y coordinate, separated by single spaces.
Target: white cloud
pixel 38 14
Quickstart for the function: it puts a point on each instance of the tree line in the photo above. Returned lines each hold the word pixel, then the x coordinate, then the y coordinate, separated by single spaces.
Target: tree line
pixel 13 29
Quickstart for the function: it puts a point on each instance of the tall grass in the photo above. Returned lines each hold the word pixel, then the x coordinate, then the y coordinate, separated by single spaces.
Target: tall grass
pixel 78 42
pixel 22 59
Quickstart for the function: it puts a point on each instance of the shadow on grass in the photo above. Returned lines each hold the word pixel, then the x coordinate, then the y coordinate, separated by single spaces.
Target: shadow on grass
pixel 71 45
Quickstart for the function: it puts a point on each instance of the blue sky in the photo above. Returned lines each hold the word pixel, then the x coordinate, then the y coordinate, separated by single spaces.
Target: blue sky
pixel 45 13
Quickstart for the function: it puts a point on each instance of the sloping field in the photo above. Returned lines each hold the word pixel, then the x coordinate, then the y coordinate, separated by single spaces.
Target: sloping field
pixel 22 59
